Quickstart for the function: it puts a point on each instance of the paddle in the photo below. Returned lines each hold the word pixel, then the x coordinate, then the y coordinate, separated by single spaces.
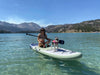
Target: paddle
pixel 60 41
pixel 31 35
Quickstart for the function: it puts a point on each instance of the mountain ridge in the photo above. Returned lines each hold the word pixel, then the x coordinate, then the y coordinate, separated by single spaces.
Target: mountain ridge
pixel 85 26
pixel 5 26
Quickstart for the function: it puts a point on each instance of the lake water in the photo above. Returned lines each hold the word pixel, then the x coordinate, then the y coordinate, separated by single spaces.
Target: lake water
pixel 16 57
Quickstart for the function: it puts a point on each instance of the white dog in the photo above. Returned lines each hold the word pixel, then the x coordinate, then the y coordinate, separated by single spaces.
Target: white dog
pixel 55 43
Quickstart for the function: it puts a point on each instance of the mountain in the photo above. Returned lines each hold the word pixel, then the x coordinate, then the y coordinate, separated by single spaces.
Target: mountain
pixel 29 26
pixel 10 27
pixel 86 26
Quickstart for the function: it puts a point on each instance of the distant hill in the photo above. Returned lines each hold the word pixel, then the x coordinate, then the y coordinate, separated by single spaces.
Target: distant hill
pixel 9 27
pixel 86 26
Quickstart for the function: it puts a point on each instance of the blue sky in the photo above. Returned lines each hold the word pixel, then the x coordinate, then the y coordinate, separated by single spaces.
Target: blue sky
pixel 47 12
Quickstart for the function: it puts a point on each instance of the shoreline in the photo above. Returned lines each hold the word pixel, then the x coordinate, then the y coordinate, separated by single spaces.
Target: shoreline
pixel 53 32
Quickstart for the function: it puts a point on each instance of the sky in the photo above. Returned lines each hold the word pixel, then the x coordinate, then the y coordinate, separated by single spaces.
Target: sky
pixel 49 12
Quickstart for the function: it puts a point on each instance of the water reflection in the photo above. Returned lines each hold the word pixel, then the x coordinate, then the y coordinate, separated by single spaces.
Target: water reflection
pixel 70 67
pixel 74 67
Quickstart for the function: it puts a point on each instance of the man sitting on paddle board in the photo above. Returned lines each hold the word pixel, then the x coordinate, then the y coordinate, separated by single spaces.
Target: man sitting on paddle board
pixel 41 38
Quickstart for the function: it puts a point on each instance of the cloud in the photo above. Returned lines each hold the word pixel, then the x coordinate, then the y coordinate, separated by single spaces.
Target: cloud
pixel 17 20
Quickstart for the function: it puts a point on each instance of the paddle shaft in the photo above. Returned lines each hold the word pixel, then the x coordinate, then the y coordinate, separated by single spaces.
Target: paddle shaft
pixel 60 41
pixel 34 35
pixel 31 35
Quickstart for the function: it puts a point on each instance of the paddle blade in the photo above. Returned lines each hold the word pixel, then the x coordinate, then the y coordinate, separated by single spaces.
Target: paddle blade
pixel 26 33
pixel 61 41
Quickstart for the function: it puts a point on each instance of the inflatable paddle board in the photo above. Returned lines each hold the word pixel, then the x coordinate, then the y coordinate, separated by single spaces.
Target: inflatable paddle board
pixel 60 53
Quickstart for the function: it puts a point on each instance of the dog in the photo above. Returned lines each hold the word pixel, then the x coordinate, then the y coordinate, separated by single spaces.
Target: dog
pixel 55 43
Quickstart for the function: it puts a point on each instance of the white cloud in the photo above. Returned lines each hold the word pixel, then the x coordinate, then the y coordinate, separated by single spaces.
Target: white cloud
pixel 17 20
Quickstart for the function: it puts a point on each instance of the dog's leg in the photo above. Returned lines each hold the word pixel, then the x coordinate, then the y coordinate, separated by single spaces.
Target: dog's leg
pixel 54 47
pixel 57 46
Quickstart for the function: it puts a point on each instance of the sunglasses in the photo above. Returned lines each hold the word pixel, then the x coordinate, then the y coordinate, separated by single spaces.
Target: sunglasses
pixel 42 30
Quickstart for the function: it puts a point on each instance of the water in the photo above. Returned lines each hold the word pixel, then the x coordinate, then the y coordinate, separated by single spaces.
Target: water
pixel 16 57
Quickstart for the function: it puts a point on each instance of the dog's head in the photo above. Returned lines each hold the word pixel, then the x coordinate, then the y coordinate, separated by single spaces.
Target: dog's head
pixel 56 38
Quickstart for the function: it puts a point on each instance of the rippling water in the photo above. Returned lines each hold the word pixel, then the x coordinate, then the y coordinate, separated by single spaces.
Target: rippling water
pixel 16 57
